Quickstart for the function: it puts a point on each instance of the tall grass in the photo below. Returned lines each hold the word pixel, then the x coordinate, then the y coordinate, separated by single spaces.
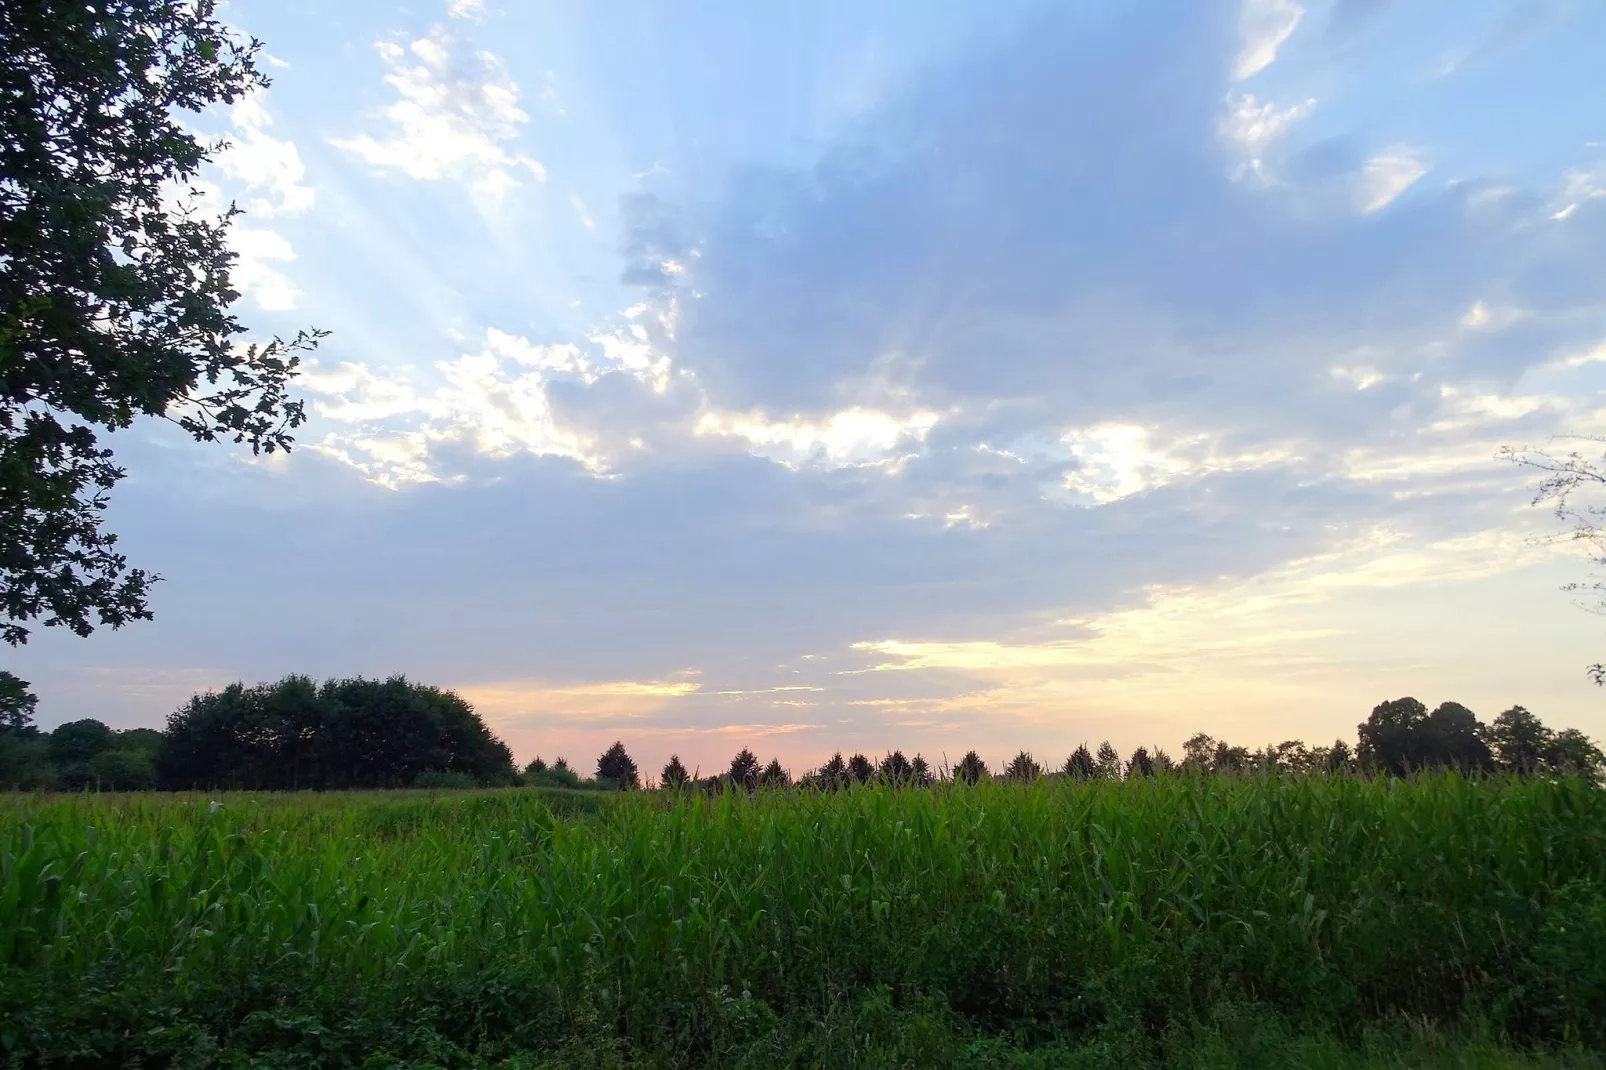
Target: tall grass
pixel 1046 911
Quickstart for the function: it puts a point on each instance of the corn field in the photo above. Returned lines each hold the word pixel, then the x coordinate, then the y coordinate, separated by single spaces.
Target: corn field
pixel 147 927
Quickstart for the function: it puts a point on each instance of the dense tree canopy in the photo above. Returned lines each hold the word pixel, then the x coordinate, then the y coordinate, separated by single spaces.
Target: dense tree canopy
pixel 345 734
pixel 616 768
pixel 114 286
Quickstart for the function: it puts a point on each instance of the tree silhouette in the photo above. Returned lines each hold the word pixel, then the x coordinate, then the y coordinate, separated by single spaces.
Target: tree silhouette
pixel 1199 753
pixel 1452 736
pixel 617 768
pixel 1391 737
pixel 1520 741
pixel 833 775
pixel 920 772
pixel 1022 768
pixel 860 769
pixel 536 766
pixel 1109 762
pixel 1141 764
pixel 1573 752
pixel 894 770
pixel 17 704
pixel 744 770
pixel 674 774
pixel 343 734
pixel 1080 766
pixel 1338 758
pixel 774 776
pixel 970 768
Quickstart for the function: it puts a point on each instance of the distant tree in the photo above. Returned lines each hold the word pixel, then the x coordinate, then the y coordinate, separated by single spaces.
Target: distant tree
pixel 919 773
pixel 1141 764
pixel 17 705
pixel 616 768
pixel 1391 738
pixel 1022 768
pixel 25 761
pixel 1573 752
pixel 833 775
pixel 970 768
pixel 73 746
pixel 774 776
pixel 115 287
pixel 1230 760
pixel 1289 756
pixel 674 774
pixel 1451 736
pixel 1337 758
pixel 1109 762
pixel 894 769
pixel 744 770
pixel 860 769
pixel 345 734
pixel 536 766
pixel 1199 753
pixel 1164 764
pixel 1520 741
pixel 1080 766
pixel 557 775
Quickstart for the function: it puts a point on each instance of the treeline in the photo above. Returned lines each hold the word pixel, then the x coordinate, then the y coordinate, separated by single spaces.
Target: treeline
pixel 1401 736
pixel 357 733
pixel 284 736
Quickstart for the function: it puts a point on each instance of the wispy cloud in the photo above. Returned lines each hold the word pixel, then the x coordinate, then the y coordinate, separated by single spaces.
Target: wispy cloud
pixel 455 114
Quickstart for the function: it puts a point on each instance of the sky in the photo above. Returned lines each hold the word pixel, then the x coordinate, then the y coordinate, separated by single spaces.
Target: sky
pixel 932 374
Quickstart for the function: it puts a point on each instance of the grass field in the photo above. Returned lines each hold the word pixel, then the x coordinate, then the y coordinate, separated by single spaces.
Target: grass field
pixel 1202 922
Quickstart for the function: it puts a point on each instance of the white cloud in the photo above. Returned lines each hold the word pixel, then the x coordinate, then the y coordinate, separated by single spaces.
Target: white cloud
pixel 581 211
pixel 851 437
pixel 1266 24
pixel 264 165
pixel 452 118
pixel 1251 124
pixel 1386 176
pixel 495 402
pixel 1579 186
pixel 465 9
pixel 252 275
pixel 1116 460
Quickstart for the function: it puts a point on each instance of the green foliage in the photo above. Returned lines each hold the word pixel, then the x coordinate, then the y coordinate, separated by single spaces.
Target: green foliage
pixel 1520 741
pixel 1109 762
pixel 616 769
pixel 114 299
pixel 17 704
pixel 345 734
pixel 1141 763
pixel 444 780
pixel 1391 737
pixel 1219 921
pixel 25 762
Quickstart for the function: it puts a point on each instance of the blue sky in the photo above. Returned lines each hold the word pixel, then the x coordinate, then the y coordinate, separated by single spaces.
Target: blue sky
pixel 933 375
